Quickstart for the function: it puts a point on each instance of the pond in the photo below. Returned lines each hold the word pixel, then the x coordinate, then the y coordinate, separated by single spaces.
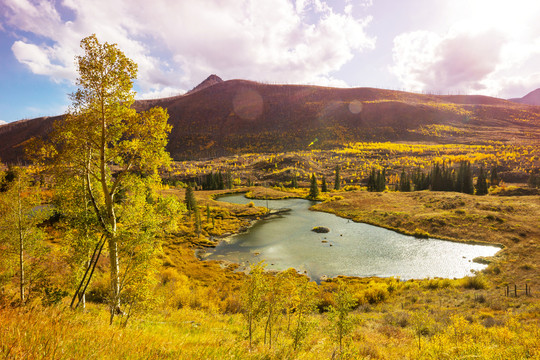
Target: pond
pixel 349 248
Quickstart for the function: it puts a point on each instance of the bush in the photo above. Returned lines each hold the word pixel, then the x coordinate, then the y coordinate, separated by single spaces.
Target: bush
pixel 477 282
pixel 419 233
pixel 376 294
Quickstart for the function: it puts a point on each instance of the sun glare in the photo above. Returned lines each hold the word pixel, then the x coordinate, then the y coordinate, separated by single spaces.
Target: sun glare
pixel 509 18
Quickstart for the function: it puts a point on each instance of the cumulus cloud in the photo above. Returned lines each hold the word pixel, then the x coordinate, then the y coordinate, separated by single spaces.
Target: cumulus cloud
pixel 2 122
pixel 424 61
pixel 482 51
pixel 178 43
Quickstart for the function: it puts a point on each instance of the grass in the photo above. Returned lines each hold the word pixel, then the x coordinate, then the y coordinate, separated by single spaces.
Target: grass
pixel 414 320
pixel 196 313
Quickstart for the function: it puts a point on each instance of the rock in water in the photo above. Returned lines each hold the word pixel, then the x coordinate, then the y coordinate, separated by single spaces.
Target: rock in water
pixel 320 229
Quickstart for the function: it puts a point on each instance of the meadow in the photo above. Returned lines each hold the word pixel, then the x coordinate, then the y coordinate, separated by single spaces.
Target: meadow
pixel 201 309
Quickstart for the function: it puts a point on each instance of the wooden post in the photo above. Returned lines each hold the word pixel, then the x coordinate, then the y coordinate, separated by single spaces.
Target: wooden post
pixel 507 292
pixel 526 290
pixel 515 290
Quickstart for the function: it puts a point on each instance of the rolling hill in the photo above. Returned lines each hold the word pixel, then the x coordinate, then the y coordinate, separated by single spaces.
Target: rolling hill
pixel 532 98
pixel 238 116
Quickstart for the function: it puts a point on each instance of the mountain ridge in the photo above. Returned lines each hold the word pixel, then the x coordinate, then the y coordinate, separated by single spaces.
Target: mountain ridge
pixel 240 116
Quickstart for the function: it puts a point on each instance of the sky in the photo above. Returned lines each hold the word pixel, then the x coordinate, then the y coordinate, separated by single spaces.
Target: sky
pixel 489 47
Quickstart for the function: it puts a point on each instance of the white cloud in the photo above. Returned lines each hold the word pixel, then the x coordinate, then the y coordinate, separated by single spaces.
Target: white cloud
pixel 424 61
pixel 486 50
pixel 177 44
pixel 2 122
pixel 160 93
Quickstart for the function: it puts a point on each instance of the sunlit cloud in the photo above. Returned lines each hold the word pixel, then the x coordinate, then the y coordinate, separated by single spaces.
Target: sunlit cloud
pixel 177 44
pixel 480 52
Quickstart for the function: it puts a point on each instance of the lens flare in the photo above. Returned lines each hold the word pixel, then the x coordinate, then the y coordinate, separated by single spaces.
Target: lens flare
pixel 355 106
pixel 248 104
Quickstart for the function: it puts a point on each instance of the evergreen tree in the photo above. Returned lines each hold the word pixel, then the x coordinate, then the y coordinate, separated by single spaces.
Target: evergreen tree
pixel 467 178
pixel 337 179
pixel 404 182
pixel 436 178
pixel 377 180
pixel 494 179
pixel 294 181
pixel 197 221
pixel 324 187
pixel 189 200
pixel 220 182
pixel 534 179
pixel 372 183
pixel 481 183
pixel 229 179
pixel 314 189
pixel 381 180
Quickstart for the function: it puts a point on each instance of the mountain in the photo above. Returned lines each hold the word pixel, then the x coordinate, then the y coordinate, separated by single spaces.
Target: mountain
pixel 238 116
pixel 532 98
pixel 210 81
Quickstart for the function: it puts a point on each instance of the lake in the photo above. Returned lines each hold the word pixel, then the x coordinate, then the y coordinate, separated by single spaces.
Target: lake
pixel 350 248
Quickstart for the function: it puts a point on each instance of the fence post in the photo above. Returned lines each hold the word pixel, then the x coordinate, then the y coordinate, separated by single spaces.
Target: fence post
pixel 515 290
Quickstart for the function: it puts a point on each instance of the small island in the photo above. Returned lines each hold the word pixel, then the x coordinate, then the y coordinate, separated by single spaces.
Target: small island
pixel 321 229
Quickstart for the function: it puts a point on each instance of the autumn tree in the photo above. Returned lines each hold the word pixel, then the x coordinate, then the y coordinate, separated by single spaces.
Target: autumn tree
pixel 20 236
pixel 253 292
pixel 104 140
pixel 338 314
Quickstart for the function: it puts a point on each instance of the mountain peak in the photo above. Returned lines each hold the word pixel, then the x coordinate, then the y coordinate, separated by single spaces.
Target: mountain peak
pixel 210 81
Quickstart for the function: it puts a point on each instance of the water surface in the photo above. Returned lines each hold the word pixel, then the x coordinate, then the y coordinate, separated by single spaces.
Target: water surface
pixel 353 249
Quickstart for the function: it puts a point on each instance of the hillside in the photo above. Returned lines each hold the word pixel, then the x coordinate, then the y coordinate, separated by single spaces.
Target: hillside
pixel 238 116
pixel 532 98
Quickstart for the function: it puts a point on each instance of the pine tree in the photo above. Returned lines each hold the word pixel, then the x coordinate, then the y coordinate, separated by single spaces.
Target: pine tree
pixel 324 187
pixel 294 181
pixel 381 180
pixel 404 182
pixel 189 200
pixel 337 179
pixel 436 178
pixel 481 183
pixel 314 189
pixel 468 187
pixel 229 179
pixel 494 179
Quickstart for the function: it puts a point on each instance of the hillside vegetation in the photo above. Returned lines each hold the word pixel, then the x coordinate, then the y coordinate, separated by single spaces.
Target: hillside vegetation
pixel 239 116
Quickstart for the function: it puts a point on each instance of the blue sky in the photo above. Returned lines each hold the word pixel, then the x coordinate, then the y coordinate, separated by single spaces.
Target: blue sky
pixel 489 47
